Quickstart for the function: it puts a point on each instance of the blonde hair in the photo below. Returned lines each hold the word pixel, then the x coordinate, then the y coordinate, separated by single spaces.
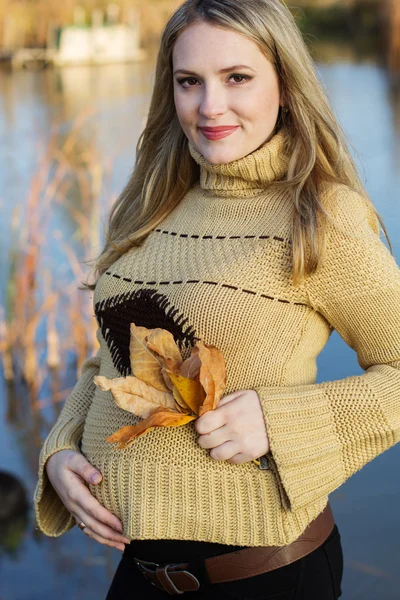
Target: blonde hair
pixel 164 170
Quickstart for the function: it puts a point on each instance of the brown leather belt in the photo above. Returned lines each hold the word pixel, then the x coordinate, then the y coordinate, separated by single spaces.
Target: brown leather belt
pixel 174 578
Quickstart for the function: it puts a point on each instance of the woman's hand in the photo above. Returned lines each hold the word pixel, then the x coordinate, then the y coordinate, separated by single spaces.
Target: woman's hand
pixel 235 429
pixel 69 471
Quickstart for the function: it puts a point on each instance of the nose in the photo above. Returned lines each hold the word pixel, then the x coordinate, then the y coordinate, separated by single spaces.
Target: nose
pixel 213 103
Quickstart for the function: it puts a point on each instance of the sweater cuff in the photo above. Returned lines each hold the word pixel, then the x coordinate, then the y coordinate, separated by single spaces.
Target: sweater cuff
pixel 52 518
pixel 305 454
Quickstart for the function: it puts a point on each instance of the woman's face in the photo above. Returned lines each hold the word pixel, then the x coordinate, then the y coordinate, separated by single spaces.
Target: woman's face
pixel 222 79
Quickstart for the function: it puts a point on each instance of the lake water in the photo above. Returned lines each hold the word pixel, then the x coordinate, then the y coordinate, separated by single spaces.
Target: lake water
pixel 74 567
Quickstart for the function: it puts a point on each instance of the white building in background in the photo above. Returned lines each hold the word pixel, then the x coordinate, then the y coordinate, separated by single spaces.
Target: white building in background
pixel 101 43
pixel 80 44
pixel 96 45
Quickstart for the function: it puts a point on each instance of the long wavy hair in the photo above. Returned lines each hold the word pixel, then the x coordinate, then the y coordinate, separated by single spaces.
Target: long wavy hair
pixel 164 170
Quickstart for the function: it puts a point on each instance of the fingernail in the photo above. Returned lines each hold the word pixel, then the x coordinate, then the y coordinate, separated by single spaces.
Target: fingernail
pixel 119 528
pixel 95 478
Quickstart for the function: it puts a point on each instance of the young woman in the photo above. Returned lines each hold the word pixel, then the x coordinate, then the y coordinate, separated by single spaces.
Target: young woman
pixel 245 225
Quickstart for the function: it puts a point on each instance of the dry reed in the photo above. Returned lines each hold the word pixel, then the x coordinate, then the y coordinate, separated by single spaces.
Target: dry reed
pixel 46 317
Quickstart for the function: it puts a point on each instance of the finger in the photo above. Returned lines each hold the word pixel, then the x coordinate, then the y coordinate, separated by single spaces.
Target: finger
pixel 99 513
pixel 239 458
pixel 210 421
pixel 102 530
pixel 79 499
pixel 92 534
pixel 229 397
pixel 215 438
pixel 87 471
pixel 224 451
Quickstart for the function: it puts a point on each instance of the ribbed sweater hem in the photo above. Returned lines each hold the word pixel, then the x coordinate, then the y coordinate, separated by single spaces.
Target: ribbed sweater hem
pixel 247 511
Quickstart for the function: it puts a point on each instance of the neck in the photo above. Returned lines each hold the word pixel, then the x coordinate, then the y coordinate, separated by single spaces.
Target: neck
pixel 247 176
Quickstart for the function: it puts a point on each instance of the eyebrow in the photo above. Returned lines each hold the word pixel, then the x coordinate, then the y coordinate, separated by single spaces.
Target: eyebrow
pixel 225 70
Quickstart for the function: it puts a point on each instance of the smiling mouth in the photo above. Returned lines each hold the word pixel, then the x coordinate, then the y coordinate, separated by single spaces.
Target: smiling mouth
pixel 216 133
pixel 219 128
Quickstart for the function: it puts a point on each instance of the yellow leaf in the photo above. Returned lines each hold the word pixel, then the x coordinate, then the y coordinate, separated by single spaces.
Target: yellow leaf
pixel 190 390
pixel 180 401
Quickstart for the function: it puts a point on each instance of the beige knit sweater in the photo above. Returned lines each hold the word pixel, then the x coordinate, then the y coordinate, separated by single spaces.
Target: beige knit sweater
pixel 218 269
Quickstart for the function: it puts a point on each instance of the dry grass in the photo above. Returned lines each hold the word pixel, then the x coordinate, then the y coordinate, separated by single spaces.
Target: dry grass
pixel 46 317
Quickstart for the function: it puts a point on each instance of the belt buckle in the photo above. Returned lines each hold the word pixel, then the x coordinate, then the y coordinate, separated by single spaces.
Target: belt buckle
pixel 146 567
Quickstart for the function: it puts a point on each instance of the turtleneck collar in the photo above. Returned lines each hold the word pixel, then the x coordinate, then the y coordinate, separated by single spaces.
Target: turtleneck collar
pixel 247 176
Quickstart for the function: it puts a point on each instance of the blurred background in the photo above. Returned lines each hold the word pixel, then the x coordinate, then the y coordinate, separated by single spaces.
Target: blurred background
pixel 75 83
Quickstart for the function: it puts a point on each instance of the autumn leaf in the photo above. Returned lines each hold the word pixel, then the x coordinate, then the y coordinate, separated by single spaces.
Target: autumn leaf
pixel 162 379
pixel 162 342
pixel 134 395
pixel 191 366
pixel 190 391
pixel 146 365
pixel 179 400
pixel 212 375
pixel 161 417
pixel 167 379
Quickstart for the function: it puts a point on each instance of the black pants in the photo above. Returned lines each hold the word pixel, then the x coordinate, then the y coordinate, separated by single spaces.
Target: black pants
pixel 317 576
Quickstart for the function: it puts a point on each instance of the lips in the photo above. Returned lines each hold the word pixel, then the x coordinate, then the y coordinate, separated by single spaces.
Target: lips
pixel 216 133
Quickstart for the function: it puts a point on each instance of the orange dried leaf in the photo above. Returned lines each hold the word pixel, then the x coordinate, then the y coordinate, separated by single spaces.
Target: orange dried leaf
pixel 162 342
pixel 134 395
pixel 212 374
pixel 171 365
pixel 146 365
pixel 209 387
pixel 159 418
pixel 126 436
pixel 167 380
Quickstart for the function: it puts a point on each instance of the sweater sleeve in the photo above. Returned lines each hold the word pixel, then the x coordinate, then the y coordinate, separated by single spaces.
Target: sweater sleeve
pixel 52 517
pixel 320 434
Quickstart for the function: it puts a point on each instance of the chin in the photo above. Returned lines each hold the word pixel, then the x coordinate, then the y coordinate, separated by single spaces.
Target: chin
pixel 218 156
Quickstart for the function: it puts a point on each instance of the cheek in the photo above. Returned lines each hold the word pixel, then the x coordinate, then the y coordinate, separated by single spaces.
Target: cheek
pixel 178 106
pixel 183 108
pixel 264 105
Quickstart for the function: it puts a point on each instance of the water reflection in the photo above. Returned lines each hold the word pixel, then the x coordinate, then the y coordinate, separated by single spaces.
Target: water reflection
pixel 114 100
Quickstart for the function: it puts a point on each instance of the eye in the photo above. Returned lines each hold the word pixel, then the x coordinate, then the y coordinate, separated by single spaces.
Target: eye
pixel 188 80
pixel 242 77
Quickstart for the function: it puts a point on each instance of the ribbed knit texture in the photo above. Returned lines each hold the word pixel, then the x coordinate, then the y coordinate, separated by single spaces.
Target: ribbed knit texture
pixel 218 268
